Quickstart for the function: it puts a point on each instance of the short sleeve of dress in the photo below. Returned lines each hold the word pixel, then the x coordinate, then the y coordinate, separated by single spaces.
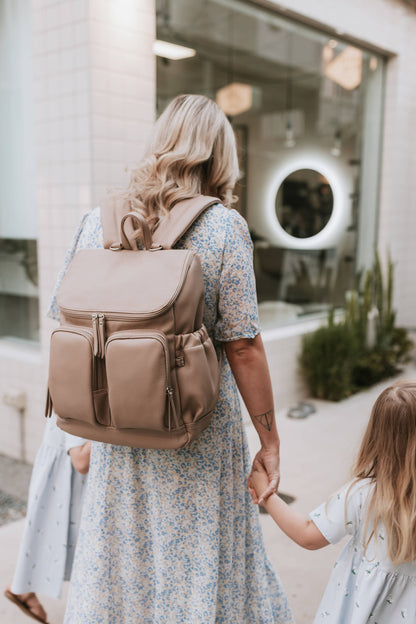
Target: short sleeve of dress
pixel 237 302
pixel 53 310
pixel 340 515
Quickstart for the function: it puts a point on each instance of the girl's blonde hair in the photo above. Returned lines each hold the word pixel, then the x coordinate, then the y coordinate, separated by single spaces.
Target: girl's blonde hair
pixel 192 151
pixel 388 457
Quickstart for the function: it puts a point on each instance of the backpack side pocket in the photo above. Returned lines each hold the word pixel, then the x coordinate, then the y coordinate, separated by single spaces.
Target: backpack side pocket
pixel 197 372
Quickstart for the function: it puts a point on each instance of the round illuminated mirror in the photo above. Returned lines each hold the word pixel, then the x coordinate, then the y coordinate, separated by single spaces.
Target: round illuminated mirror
pixel 304 203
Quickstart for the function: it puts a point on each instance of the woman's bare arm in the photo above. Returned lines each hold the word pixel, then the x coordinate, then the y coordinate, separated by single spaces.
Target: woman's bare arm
pixel 248 363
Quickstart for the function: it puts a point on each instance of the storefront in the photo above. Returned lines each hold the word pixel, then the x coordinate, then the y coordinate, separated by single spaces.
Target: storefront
pixel 321 97
pixel 307 113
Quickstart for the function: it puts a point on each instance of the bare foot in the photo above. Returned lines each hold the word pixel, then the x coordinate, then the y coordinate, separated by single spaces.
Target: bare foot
pixel 30 604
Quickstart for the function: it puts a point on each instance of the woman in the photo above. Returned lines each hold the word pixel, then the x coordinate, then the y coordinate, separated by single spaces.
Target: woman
pixel 171 536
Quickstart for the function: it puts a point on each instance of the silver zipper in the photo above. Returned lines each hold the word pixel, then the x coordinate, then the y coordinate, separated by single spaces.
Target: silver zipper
pixel 171 407
pixel 101 334
pixel 96 337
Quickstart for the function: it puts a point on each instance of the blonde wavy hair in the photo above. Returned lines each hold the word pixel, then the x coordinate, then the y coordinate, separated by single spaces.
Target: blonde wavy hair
pixel 192 151
pixel 388 457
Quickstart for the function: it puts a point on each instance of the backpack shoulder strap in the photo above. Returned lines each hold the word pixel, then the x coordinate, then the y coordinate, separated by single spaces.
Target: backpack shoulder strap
pixel 174 225
pixel 112 210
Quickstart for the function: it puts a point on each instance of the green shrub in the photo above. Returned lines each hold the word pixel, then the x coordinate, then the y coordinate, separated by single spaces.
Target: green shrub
pixel 326 360
pixel 362 349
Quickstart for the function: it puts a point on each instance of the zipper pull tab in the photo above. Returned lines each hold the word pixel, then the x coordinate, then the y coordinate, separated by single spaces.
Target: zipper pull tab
pixel 95 333
pixel 101 319
pixel 171 408
pixel 48 406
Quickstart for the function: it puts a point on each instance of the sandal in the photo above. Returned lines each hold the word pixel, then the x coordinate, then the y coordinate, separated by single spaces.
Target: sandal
pixel 24 606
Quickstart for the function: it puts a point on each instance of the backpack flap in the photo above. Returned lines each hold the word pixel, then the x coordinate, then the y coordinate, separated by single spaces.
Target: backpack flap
pixel 141 283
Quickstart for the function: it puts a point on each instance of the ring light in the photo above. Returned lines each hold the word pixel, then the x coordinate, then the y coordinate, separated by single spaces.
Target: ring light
pixel 337 223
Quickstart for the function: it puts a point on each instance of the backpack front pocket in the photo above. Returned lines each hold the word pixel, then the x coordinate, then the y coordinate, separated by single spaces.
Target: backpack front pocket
pixel 72 374
pixel 138 377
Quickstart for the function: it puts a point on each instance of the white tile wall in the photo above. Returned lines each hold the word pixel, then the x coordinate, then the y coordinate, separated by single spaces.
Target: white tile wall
pixel 94 103
pixel 123 89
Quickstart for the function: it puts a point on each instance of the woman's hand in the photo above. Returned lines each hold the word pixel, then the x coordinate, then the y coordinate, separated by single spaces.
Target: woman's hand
pixel 80 457
pixel 265 473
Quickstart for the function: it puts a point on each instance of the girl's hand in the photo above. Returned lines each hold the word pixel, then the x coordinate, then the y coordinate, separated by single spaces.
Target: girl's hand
pixel 260 481
pixel 266 462
pixel 80 457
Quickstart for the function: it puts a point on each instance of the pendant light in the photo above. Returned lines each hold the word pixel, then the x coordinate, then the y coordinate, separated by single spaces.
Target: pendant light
pixel 236 97
pixel 346 68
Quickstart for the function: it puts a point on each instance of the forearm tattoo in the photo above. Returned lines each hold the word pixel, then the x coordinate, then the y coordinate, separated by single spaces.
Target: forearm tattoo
pixel 266 419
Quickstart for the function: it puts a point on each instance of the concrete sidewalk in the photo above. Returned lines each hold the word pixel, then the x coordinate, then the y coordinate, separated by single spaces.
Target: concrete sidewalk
pixel 316 455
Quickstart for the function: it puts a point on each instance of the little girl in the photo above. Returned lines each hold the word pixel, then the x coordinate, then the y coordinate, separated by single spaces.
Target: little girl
pixel 54 508
pixel 56 493
pixel 374 579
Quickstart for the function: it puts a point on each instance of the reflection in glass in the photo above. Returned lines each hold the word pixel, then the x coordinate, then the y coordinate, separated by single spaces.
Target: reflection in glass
pixel 304 203
pixel 19 302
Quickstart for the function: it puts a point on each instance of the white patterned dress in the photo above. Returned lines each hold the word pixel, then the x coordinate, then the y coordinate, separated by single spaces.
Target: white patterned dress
pixel 172 536
pixel 53 515
pixel 364 588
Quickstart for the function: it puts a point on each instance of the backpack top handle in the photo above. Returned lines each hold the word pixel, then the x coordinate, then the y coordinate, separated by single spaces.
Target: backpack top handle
pixel 142 233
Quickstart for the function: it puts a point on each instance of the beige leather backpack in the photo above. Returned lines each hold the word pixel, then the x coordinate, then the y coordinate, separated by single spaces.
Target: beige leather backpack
pixel 131 362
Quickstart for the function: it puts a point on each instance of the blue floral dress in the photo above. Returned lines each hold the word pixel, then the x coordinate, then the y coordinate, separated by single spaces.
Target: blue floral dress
pixel 172 536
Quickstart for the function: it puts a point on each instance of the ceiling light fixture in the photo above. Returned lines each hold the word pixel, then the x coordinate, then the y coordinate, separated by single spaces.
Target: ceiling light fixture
pixel 172 51
pixel 235 98
pixel 346 68
pixel 373 63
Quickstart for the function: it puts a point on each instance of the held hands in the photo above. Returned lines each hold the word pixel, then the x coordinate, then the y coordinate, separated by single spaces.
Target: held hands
pixel 265 474
pixel 80 457
pixel 259 483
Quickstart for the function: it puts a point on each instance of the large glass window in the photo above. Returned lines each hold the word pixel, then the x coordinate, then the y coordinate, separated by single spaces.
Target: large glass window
pixel 19 315
pixel 306 110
